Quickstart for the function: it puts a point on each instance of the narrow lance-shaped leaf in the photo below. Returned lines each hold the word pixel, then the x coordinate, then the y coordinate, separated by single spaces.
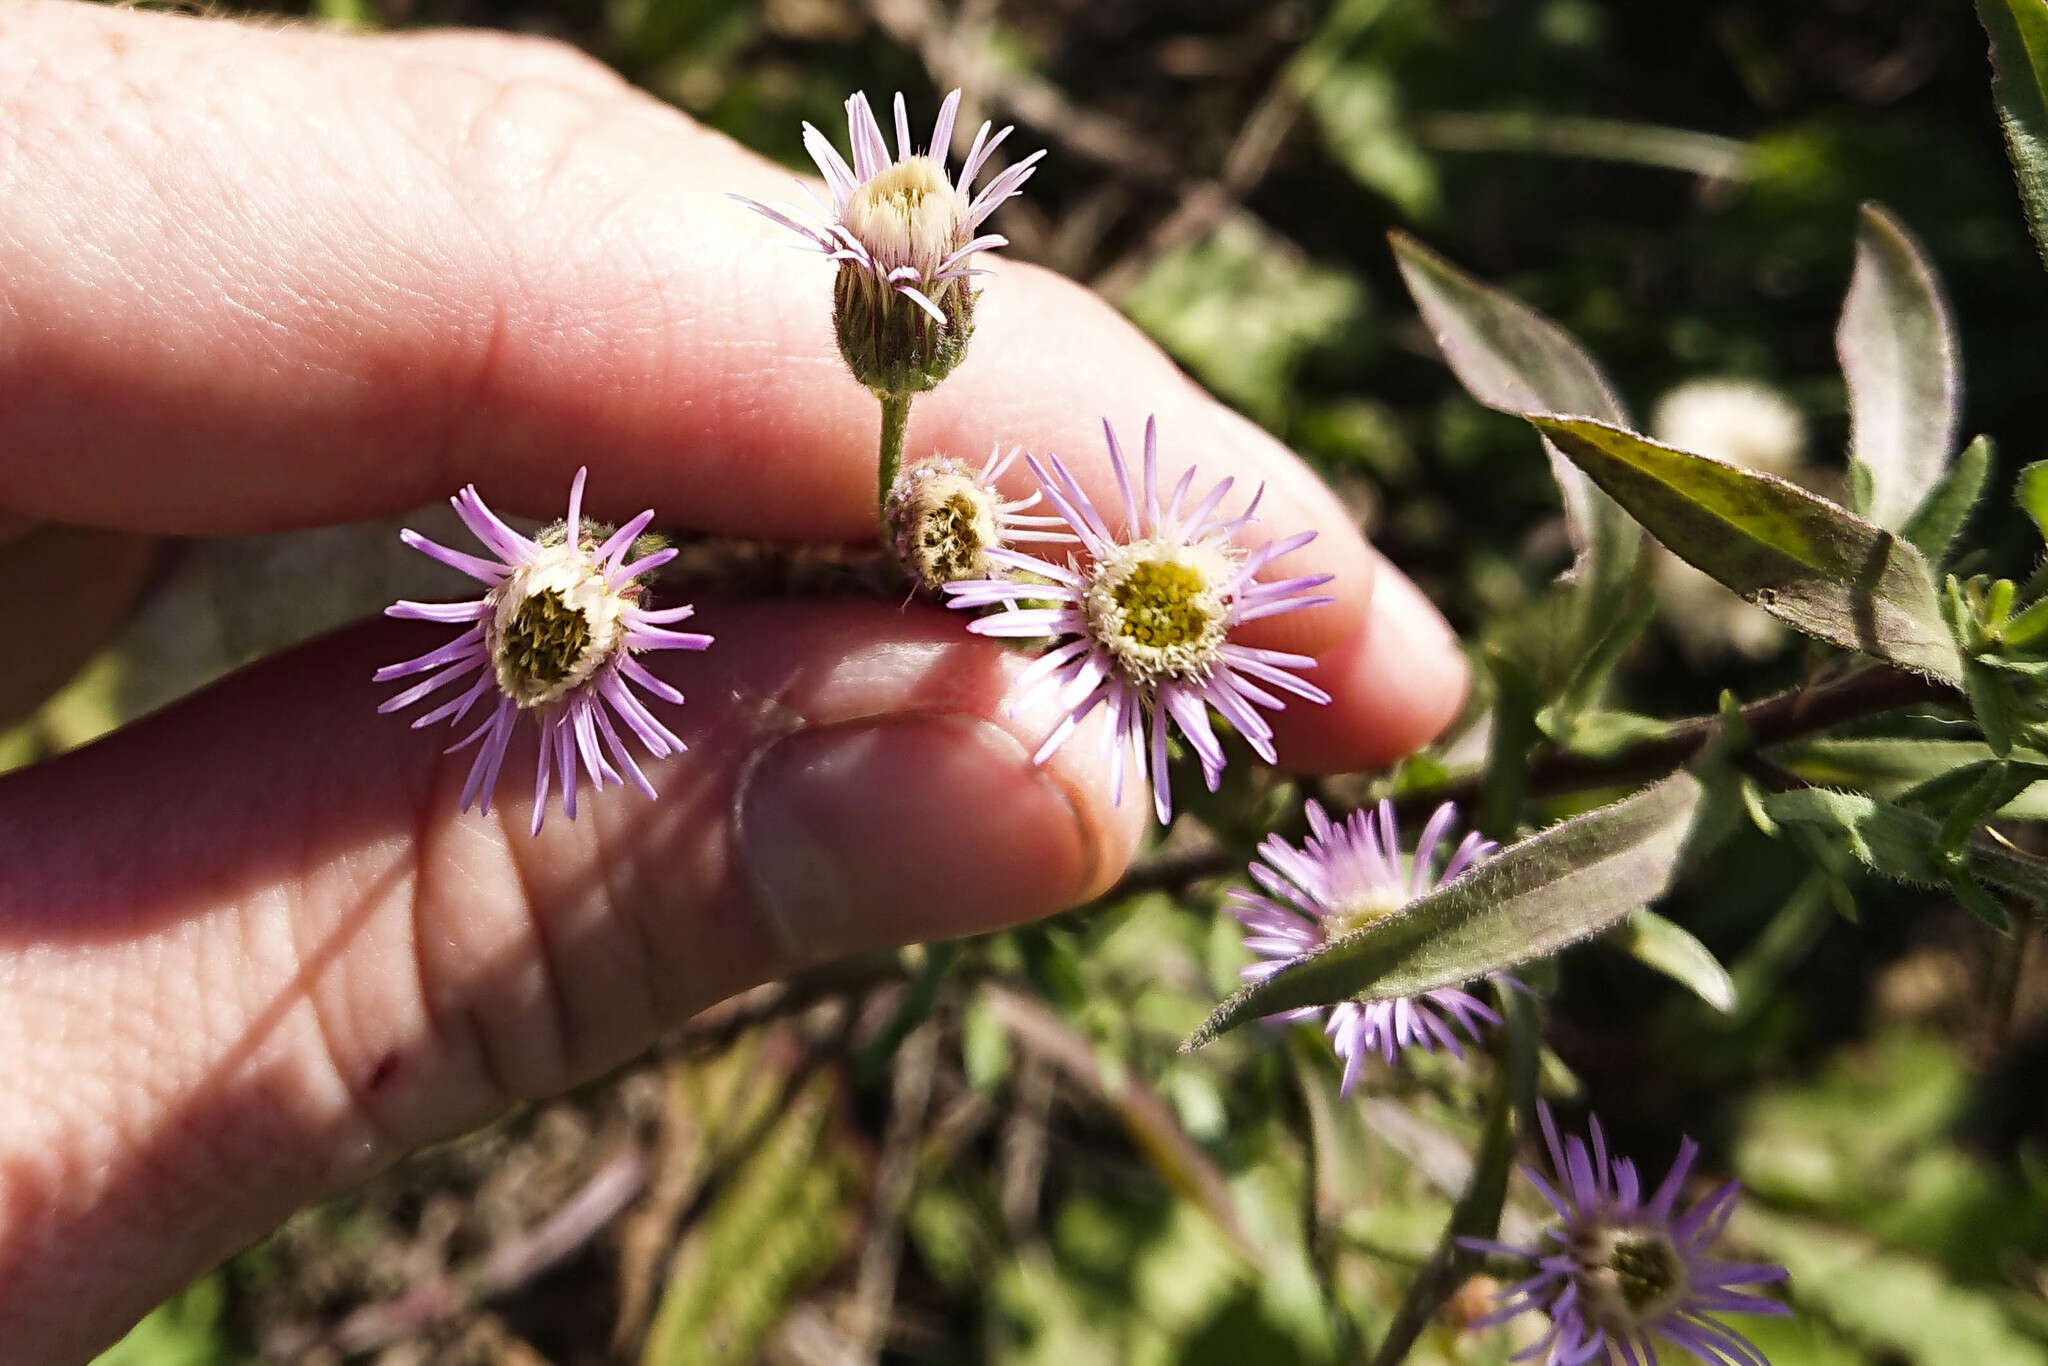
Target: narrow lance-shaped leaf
pixel 1806 561
pixel 2032 491
pixel 1673 950
pixel 1512 358
pixel 2019 82
pixel 1906 845
pixel 1531 899
pixel 1939 519
pixel 1897 345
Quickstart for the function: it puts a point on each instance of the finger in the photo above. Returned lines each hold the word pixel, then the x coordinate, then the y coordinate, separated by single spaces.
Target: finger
pixel 250 951
pixel 496 275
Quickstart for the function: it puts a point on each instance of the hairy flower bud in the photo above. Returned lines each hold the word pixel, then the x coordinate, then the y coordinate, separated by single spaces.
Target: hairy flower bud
pixel 905 240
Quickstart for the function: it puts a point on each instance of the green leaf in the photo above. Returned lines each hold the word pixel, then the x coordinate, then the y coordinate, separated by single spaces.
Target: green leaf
pixel 1531 899
pixel 1995 704
pixel 2032 493
pixel 1891 767
pixel 1897 345
pixel 1671 949
pixel 2019 82
pixel 1906 845
pixel 1939 519
pixel 1512 358
pixel 1980 785
pixel 1801 558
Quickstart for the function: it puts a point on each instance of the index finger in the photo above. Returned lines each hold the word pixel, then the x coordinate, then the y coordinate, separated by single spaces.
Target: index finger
pixel 261 279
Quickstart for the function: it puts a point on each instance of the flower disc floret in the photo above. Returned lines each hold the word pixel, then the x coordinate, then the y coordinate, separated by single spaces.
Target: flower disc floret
pixel 1619 1273
pixel 1142 625
pixel 553 624
pixel 553 637
pixel 1159 608
pixel 908 216
pixel 1348 875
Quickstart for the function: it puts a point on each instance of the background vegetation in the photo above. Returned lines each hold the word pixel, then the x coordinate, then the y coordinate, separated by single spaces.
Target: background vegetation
pixel 992 1151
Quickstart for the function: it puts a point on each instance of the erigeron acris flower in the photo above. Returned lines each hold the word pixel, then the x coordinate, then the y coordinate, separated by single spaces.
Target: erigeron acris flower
pixel 554 638
pixel 905 237
pixel 1143 625
pixel 1619 1272
pixel 1347 875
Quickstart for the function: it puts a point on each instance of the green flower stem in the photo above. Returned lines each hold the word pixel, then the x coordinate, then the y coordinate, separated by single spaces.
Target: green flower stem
pixel 895 420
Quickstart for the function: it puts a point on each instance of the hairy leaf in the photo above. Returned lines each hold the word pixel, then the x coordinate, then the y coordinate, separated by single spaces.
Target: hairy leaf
pixel 1801 558
pixel 1672 949
pixel 2032 492
pixel 1906 845
pixel 1937 522
pixel 1531 899
pixel 2019 82
pixel 1512 358
pixel 1897 344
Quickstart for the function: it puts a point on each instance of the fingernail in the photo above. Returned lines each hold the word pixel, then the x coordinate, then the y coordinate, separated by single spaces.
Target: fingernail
pixel 913 827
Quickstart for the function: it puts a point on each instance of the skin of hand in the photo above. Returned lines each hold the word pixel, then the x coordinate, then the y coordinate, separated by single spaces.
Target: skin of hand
pixel 260 278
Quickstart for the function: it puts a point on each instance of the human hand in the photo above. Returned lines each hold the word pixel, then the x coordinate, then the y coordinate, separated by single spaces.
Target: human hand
pixel 249 950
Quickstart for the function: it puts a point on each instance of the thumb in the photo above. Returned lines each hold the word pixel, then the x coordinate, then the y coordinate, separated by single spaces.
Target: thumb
pixel 250 952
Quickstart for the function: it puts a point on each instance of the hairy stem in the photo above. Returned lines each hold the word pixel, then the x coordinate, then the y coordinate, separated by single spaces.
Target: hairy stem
pixel 1775 720
pixel 895 419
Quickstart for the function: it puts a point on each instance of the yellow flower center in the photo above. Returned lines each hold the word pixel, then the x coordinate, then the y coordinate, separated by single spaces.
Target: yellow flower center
pixel 1158 607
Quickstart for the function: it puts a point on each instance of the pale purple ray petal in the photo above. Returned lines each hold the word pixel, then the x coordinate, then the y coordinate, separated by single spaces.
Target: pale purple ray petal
pixel 482 570
pixel 484 524
pixel 619 542
pixel 447 613
pixel 942 129
pixel 470 642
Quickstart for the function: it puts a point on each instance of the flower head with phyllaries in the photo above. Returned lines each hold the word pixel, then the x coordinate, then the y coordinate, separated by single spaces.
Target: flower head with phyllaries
pixel 1619 1272
pixel 1346 876
pixel 553 637
pixel 1143 626
pixel 905 238
pixel 946 516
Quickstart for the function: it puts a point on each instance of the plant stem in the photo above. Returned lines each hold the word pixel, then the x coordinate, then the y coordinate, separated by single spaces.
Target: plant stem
pixel 895 420
pixel 1774 720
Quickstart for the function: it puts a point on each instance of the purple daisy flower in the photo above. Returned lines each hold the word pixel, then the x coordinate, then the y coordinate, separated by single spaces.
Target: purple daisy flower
pixel 946 516
pixel 899 220
pixel 1618 1270
pixel 554 638
pixel 1143 627
pixel 1346 876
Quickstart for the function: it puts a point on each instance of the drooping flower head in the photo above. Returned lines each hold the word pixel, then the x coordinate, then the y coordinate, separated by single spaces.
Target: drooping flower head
pixel 1619 1271
pixel 1143 625
pixel 905 238
pixel 946 517
pixel 553 637
pixel 1346 876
